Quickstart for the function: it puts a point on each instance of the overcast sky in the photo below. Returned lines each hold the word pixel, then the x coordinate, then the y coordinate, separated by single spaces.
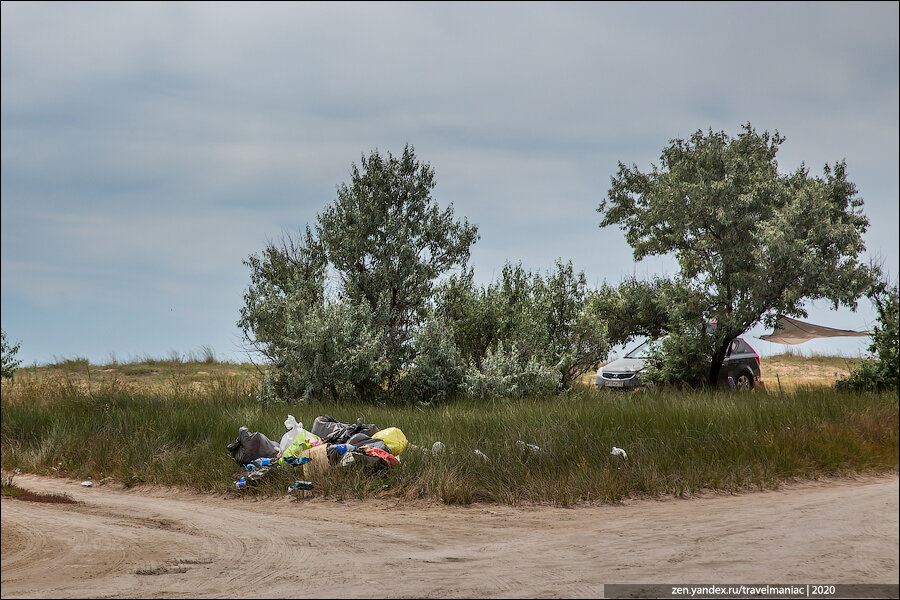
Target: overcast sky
pixel 147 149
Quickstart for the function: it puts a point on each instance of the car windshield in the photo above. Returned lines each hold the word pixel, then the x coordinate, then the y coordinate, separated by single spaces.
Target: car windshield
pixel 641 351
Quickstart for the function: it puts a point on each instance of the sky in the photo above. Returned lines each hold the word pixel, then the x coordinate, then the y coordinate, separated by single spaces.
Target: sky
pixel 149 148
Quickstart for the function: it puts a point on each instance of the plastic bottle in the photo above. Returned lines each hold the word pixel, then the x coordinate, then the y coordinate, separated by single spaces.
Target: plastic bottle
pixel 260 462
pixel 730 382
pixel 241 483
pixel 300 485
pixel 343 448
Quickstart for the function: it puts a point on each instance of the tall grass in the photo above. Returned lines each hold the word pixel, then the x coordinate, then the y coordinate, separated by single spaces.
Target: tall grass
pixel 677 443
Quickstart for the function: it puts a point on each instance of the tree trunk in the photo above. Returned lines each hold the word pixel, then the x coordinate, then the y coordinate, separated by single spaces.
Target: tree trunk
pixel 715 366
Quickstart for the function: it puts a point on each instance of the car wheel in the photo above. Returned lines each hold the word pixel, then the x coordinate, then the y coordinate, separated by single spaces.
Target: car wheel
pixel 744 382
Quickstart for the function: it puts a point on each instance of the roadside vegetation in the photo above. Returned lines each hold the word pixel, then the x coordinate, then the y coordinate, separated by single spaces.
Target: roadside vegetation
pixel 372 311
pixel 119 429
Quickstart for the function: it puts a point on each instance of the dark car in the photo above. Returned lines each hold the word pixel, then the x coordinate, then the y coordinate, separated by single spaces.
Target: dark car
pixel 741 364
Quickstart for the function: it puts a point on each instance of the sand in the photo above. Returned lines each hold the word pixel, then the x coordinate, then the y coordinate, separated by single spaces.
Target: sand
pixel 155 542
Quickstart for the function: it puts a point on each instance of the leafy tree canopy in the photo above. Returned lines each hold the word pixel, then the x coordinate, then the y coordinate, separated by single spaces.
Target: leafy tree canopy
pixel 750 241
pixel 338 306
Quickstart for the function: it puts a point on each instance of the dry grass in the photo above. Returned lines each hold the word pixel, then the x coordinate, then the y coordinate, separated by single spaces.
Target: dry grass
pixel 791 371
pixel 147 374
pixel 10 490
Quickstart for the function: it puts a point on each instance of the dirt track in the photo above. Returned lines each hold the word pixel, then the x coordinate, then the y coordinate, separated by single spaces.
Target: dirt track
pixel 164 543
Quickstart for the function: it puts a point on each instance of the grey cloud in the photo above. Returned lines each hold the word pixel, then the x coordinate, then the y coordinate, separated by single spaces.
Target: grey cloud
pixel 130 128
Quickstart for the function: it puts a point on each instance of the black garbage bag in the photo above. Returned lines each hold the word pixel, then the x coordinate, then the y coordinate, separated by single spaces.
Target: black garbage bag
pixel 361 439
pixel 334 432
pixel 250 446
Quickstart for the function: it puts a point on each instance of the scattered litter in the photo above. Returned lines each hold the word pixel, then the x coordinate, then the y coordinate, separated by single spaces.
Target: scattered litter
pixel 532 447
pixel 300 485
pixel 259 462
pixel 332 431
pixel 334 451
pixel 330 442
pixel 618 452
pixel 437 447
pixel 294 427
pixel 296 461
pixel 257 474
pixel 250 446
pixel 87 483
pixel 394 439
pixel 731 382
pixel 384 455
pixel 481 454
pixel 363 439
pixel 303 440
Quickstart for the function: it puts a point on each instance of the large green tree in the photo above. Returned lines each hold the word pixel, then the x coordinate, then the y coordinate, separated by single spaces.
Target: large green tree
pixel 356 286
pixel 751 242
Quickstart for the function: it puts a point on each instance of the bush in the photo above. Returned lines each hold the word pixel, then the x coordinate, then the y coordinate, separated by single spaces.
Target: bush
pixel 8 356
pixel 883 370
pixel 510 374
pixel 681 359
pixel 332 352
pixel 549 320
pixel 438 371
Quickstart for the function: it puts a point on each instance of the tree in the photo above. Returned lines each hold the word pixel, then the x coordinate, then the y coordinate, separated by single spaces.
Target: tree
pixel 372 259
pixel 8 356
pixel 750 242
pixel 645 308
pixel 389 241
pixel 576 337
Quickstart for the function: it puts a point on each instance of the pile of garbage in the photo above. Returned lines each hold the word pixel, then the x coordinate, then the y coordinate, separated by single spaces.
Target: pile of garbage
pixel 328 443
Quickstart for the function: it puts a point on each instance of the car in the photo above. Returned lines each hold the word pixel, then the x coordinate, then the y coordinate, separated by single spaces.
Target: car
pixel 741 364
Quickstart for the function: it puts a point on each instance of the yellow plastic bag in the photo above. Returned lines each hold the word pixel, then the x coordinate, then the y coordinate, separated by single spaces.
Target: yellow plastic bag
pixel 394 438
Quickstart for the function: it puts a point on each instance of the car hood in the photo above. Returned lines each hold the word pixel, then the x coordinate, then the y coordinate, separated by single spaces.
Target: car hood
pixel 624 365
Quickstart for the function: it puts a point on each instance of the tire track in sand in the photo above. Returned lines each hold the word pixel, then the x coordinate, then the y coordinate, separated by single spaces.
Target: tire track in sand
pixel 156 542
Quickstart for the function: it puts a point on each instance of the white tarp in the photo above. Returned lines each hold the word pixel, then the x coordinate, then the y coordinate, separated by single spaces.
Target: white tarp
pixel 792 331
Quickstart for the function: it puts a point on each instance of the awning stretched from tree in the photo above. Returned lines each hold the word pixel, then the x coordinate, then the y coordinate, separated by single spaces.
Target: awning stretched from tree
pixel 792 331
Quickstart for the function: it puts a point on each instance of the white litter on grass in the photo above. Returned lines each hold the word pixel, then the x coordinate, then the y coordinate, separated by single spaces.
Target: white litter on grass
pixel 437 447
pixel 481 454
pixel 618 452
pixel 532 447
pixel 87 483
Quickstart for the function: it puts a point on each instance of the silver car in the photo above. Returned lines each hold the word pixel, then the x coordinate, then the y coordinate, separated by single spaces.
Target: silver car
pixel 741 364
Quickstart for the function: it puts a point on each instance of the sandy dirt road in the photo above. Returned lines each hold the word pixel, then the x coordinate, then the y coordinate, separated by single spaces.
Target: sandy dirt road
pixel 162 543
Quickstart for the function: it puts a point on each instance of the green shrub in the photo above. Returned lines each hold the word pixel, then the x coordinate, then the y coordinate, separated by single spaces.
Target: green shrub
pixel 510 374
pixel 680 359
pixel 882 371
pixel 8 356
pixel 438 371
pixel 549 318
pixel 334 352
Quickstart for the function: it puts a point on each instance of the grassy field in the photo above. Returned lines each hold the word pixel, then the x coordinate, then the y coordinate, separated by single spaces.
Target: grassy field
pixel 789 370
pixel 167 422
